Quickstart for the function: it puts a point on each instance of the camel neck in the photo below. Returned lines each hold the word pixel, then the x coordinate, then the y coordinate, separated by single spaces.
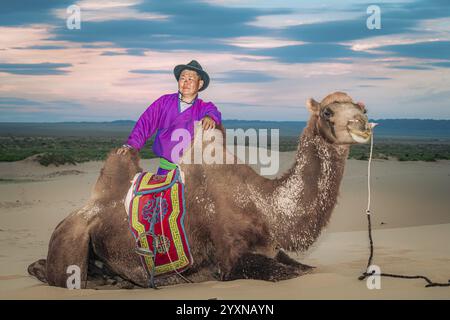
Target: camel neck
pixel 300 204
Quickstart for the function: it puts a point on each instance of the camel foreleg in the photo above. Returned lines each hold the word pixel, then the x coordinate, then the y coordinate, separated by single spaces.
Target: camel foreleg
pixel 283 257
pixel 260 267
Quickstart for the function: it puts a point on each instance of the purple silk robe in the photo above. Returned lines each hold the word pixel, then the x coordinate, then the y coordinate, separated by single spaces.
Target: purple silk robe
pixel 163 117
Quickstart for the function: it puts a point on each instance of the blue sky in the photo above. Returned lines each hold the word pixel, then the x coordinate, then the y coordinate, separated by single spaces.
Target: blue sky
pixel 265 58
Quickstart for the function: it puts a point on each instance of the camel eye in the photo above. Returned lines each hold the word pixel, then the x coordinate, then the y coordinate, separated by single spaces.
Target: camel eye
pixel 327 113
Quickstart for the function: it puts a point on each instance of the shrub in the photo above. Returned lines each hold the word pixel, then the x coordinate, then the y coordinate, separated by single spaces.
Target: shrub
pixel 55 158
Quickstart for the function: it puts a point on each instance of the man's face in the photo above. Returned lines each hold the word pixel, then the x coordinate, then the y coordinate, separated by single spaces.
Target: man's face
pixel 189 83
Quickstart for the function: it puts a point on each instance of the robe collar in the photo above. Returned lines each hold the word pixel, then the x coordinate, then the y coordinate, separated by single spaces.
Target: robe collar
pixel 181 101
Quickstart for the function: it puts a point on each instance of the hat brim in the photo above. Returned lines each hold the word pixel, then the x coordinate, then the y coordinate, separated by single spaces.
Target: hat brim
pixel 203 75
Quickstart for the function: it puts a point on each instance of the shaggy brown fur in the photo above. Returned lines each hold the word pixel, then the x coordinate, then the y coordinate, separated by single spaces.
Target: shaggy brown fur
pixel 236 219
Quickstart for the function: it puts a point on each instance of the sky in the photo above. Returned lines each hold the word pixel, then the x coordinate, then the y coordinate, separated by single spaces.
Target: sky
pixel 265 58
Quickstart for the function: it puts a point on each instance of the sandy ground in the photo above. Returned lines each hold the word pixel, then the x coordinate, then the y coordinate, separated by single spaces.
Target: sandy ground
pixel 411 217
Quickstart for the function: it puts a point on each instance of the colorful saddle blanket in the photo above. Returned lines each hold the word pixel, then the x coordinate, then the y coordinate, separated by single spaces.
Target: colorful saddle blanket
pixel 156 218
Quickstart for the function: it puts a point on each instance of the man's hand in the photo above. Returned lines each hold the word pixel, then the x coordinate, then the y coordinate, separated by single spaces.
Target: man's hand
pixel 124 149
pixel 208 123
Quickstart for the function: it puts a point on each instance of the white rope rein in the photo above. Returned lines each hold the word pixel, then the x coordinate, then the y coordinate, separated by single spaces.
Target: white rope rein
pixel 368 173
pixel 369 262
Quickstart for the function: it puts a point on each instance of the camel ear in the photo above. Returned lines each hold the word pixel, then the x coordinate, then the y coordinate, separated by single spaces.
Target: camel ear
pixel 313 106
pixel 361 105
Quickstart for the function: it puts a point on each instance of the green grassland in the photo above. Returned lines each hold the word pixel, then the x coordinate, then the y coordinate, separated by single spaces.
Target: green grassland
pixel 62 150
pixel 391 148
pixel 72 150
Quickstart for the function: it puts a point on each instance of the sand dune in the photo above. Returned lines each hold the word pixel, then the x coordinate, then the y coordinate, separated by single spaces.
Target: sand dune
pixel 411 215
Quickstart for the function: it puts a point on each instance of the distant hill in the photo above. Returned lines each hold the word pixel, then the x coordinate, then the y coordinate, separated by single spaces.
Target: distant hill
pixel 388 128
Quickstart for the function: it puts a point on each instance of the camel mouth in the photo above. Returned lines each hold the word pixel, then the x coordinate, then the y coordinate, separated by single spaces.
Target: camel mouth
pixel 360 136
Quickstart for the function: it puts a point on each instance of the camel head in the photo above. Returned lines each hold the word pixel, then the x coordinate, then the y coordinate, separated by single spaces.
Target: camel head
pixel 116 174
pixel 339 120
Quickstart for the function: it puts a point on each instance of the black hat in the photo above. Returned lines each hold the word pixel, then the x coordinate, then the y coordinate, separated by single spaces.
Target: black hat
pixel 194 66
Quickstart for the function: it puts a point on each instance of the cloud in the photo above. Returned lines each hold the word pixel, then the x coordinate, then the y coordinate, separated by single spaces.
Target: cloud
pixel 21 109
pixel 189 25
pixel 312 52
pixel 411 67
pixel 242 76
pixel 127 52
pixel 25 12
pixel 345 30
pixel 14 101
pixel 260 42
pixel 52 104
pixel 374 78
pixel 422 50
pixel 201 14
pixel 139 36
pixel 35 69
pixel 45 47
pixel 145 71
pixel 255 105
pixel 396 19
pixel 95 10
pixel 442 64
pixel 113 53
pixel 417 10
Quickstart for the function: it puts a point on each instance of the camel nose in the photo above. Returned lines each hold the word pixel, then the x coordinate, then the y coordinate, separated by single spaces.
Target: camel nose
pixel 360 122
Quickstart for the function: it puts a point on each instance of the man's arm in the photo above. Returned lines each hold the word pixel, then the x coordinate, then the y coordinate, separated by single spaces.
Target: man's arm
pixel 211 111
pixel 144 128
pixel 210 116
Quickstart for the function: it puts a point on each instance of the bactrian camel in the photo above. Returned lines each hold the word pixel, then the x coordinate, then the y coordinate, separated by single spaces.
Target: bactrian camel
pixel 239 224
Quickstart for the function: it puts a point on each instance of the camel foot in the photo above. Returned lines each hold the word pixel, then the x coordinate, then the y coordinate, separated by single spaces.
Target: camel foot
pixel 38 270
pixel 101 278
pixel 109 283
pixel 283 257
pixel 259 267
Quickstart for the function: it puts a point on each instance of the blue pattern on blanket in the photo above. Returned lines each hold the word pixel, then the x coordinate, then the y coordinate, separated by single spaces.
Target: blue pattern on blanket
pixel 152 207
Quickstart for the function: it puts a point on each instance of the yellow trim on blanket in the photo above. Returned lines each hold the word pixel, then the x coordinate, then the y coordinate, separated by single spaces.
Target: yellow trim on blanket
pixel 182 259
pixel 140 228
pixel 147 176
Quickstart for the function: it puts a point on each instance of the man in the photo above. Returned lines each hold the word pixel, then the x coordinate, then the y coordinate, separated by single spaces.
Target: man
pixel 174 111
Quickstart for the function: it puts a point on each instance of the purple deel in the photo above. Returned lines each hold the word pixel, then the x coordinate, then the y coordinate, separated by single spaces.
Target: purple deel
pixel 163 117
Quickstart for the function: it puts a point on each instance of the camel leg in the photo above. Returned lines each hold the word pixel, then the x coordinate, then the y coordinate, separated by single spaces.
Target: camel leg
pixel 260 267
pixel 113 283
pixel 282 257
pixel 113 255
pixel 69 247
pixel 100 277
